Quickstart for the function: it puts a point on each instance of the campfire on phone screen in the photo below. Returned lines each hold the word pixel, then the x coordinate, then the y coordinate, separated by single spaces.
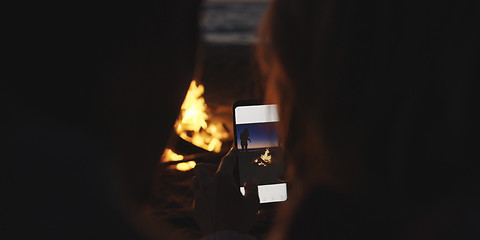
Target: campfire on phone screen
pixel 264 159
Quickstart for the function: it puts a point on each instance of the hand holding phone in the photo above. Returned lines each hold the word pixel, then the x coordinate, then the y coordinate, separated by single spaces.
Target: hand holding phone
pixel 219 205
pixel 261 157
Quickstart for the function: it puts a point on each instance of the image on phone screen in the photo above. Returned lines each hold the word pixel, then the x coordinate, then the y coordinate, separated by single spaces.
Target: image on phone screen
pixel 260 153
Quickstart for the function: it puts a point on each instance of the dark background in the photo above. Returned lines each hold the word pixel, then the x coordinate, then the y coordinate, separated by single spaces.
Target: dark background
pixel 250 171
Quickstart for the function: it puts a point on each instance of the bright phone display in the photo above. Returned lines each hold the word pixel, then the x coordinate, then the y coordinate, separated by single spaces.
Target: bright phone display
pixel 260 153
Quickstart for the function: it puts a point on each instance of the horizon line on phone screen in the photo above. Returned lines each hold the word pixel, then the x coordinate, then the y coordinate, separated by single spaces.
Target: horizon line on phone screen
pixel 260 153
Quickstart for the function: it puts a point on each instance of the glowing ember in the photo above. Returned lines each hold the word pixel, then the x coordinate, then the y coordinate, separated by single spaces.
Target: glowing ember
pixel 185 166
pixel 169 156
pixel 193 125
pixel 264 159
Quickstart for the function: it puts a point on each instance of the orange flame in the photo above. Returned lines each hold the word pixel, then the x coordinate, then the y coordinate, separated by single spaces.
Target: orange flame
pixel 169 156
pixel 185 166
pixel 193 126
pixel 264 159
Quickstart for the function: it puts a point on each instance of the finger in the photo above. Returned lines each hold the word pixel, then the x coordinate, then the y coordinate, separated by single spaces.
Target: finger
pixel 205 168
pixel 203 171
pixel 225 185
pixel 228 162
pixel 251 195
pixel 202 177
pixel 251 190
pixel 195 185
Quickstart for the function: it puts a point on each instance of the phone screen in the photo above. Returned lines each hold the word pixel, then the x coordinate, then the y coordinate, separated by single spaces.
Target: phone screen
pixel 261 156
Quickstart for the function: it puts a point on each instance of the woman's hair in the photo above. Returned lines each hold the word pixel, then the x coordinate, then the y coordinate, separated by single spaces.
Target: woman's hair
pixel 374 95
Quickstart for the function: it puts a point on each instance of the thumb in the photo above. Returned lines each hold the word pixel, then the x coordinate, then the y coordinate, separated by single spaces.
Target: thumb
pixel 251 194
pixel 228 162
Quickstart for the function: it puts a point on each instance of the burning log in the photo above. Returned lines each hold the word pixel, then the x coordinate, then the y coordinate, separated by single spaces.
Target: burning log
pixel 194 133
pixel 264 159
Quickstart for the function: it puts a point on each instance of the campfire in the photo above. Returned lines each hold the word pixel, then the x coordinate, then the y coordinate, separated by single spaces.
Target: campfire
pixel 193 125
pixel 264 159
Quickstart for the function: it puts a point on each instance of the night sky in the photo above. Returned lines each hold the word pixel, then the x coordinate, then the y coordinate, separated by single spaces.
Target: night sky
pixel 263 135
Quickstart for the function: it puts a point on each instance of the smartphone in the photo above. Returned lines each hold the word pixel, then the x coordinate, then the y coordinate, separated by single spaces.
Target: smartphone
pixel 261 156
